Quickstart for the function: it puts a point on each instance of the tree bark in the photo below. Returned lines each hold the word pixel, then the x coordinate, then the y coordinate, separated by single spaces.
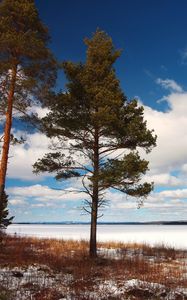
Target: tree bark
pixel 93 230
pixel 95 198
pixel 7 130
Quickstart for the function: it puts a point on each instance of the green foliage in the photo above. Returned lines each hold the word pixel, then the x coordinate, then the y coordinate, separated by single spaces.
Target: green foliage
pixel 27 72
pixel 95 124
pixel 23 46
pixel 4 220
pixel 124 175
pixel 57 162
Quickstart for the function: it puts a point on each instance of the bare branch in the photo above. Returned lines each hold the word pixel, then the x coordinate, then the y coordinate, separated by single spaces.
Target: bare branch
pixel 87 211
pixel 84 185
pixel 100 216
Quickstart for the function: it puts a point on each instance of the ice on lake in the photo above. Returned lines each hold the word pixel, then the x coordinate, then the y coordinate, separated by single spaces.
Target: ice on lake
pixel 170 235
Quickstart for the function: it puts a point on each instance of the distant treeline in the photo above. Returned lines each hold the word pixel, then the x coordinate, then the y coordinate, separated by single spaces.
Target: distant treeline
pixel 105 223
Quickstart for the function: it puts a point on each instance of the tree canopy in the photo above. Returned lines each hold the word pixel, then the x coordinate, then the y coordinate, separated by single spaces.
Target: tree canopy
pixel 24 39
pixel 96 131
pixel 27 67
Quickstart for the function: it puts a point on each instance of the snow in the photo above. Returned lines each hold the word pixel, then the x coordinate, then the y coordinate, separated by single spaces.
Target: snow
pixel 32 279
pixel 169 235
pixel 36 277
pixel 25 281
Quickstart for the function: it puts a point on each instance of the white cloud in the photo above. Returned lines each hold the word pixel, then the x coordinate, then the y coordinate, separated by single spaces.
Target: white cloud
pixel 23 156
pixel 156 203
pixel 170 127
pixel 168 166
pixel 44 194
pixel 179 194
pixel 42 205
pixel 17 202
pixel 40 111
pixel 170 84
pixel 168 156
pixel 169 204
pixel 165 179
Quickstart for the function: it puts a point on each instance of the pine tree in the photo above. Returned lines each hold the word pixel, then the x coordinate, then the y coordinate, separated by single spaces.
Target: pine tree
pixel 4 220
pixel 27 66
pixel 100 128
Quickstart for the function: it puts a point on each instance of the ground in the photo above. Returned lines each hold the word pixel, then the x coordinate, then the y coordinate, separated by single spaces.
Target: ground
pixel 37 269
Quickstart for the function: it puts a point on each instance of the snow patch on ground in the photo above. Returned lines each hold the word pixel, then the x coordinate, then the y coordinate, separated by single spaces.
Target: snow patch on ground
pixel 25 282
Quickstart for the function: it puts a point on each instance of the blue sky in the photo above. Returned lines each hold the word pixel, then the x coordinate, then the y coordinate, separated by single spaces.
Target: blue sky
pixel 151 33
pixel 153 68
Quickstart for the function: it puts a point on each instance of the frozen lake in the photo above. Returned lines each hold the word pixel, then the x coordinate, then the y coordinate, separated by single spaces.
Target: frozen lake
pixel 171 235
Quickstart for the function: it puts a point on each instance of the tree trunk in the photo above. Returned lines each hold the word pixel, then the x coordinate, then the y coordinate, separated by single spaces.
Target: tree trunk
pixel 7 129
pixel 93 230
pixel 95 198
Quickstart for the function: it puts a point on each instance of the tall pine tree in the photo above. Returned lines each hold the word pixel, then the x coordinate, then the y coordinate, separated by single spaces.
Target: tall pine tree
pixel 27 67
pixel 100 128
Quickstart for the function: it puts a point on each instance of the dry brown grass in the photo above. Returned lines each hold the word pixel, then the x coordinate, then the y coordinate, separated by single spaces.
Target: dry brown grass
pixel 159 264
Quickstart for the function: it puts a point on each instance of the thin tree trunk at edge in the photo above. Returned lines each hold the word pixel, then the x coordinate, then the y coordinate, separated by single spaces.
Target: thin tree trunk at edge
pixel 7 130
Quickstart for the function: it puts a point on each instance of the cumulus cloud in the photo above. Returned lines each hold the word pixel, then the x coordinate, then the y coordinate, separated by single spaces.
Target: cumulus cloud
pixel 170 127
pixel 163 199
pixel 23 156
pixel 179 193
pixel 168 166
pixel 170 204
pixel 166 179
pixel 44 194
pixel 169 155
